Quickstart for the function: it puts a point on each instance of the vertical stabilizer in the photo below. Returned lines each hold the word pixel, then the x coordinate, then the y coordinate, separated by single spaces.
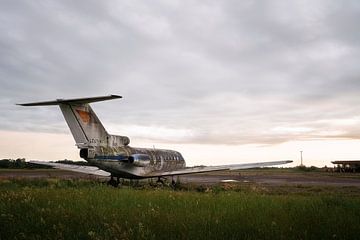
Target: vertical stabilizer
pixel 84 125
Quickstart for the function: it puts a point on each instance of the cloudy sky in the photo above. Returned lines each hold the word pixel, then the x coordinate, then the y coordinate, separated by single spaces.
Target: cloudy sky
pixel 220 81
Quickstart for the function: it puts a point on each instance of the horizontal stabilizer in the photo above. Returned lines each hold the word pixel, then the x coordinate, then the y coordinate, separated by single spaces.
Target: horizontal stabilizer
pixel 72 101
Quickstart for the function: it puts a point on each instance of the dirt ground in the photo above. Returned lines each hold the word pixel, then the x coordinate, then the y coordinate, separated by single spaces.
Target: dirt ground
pixel 278 178
pixel 41 173
pixel 258 176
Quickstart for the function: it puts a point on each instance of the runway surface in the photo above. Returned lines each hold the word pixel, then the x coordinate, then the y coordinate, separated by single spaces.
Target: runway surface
pixel 277 179
pixel 263 177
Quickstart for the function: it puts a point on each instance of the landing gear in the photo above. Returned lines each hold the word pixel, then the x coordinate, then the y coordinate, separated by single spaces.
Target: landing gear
pixel 173 183
pixel 161 180
pixel 113 182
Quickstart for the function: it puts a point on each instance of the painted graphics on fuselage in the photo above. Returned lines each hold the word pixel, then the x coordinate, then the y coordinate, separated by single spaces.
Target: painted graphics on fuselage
pixel 160 159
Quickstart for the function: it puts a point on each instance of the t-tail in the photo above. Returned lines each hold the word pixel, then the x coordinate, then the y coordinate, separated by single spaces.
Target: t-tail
pixel 84 125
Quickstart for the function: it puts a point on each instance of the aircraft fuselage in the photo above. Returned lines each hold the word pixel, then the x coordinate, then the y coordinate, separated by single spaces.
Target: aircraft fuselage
pixel 129 162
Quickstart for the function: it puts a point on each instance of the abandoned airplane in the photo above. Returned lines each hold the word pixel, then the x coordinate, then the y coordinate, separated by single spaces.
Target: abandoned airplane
pixel 111 155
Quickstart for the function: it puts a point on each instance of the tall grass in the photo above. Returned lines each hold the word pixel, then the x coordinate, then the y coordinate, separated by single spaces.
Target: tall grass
pixel 87 210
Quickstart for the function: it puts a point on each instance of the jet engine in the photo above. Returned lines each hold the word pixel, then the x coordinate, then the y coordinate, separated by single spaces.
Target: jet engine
pixel 139 160
pixel 86 153
pixel 115 140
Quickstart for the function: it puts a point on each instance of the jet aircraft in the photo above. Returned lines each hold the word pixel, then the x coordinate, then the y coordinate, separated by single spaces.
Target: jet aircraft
pixel 111 155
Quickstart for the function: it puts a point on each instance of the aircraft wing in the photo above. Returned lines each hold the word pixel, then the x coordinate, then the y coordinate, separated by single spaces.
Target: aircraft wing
pixel 75 168
pixel 193 170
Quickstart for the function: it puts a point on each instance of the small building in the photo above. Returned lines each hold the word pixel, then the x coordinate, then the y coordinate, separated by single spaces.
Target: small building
pixel 347 166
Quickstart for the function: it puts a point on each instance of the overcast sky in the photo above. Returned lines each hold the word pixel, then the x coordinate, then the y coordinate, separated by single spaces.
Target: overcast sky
pixel 192 73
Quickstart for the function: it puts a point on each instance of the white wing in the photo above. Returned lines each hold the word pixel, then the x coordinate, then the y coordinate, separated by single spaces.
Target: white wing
pixel 204 169
pixel 75 168
pixel 256 165
pixel 191 170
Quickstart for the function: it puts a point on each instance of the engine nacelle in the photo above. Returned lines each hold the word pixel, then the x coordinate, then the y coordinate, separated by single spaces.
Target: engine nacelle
pixel 140 160
pixel 87 153
pixel 115 140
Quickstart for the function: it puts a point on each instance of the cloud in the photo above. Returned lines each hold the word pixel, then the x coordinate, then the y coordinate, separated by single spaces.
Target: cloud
pixel 218 72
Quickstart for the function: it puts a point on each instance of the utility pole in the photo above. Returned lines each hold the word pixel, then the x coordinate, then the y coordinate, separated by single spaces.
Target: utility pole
pixel 301 158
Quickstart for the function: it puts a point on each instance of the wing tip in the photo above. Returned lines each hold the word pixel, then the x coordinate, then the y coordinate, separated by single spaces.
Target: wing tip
pixel 115 96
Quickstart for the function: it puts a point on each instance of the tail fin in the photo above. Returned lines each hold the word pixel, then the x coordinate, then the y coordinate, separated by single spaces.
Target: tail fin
pixel 84 125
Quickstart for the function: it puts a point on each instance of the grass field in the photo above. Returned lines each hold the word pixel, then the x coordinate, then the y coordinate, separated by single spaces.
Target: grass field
pixel 84 209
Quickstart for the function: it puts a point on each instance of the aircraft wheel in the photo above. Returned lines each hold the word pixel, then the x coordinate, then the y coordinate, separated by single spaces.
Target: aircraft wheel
pixel 112 182
pixel 160 180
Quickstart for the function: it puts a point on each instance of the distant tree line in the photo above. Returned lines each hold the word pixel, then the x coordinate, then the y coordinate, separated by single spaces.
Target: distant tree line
pixel 307 169
pixel 20 163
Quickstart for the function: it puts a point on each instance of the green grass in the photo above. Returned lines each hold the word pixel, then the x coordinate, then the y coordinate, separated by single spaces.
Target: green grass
pixel 82 209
